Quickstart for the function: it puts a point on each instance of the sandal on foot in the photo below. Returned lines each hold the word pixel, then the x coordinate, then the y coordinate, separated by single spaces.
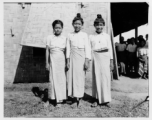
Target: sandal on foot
pixel 46 104
pixel 79 103
pixel 58 105
pixel 74 105
pixel 94 104
pixel 105 104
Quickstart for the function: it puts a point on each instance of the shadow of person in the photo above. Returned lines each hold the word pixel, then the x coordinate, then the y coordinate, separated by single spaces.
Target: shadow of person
pixel 92 100
pixel 42 94
pixel 52 102
pixel 69 100
pixel 88 98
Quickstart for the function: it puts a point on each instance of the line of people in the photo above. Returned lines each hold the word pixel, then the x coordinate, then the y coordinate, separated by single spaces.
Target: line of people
pixel 69 58
pixel 132 56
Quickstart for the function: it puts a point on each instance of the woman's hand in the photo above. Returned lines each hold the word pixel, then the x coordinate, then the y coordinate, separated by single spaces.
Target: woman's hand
pixel 47 66
pixel 105 49
pixel 111 65
pixel 68 64
pixel 86 64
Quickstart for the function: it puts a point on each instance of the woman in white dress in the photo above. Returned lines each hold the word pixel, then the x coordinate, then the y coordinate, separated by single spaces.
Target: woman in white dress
pixel 55 48
pixel 78 55
pixel 102 63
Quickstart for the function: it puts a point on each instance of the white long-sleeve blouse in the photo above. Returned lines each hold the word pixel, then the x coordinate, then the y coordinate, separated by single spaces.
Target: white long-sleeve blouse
pixel 56 41
pixel 78 40
pixel 99 41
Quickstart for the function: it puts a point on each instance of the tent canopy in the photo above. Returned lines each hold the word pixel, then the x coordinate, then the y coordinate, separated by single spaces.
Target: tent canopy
pixel 127 16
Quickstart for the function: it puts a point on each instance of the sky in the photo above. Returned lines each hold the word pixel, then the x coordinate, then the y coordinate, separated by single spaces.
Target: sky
pixel 142 30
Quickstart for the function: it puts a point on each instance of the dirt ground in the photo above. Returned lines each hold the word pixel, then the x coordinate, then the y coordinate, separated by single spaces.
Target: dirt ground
pixel 127 101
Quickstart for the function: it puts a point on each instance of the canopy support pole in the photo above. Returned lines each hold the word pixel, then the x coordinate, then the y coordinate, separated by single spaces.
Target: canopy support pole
pixel 120 37
pixel 136 32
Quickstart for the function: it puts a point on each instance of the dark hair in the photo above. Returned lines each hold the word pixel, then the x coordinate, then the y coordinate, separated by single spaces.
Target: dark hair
pixel 78 17
pixel 99 19
pixel 140 36
pixel 121 39
pixel 142 42
pixel 133 38
pixel 129 41
pixel 57 22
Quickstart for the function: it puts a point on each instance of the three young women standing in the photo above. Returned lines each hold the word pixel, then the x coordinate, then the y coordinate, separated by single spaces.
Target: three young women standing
pixel 78 55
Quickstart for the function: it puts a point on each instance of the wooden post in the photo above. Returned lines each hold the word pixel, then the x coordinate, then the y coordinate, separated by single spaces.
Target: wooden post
pixel 136 32
pixel 115 72
pixel 120 37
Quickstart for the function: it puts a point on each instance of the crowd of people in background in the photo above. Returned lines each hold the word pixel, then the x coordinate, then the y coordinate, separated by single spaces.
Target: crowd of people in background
pixel 132 56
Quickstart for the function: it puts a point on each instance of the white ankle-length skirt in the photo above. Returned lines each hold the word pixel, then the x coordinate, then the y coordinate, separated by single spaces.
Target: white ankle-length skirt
pixel 57 75
pixel 101 77
pixel 76 73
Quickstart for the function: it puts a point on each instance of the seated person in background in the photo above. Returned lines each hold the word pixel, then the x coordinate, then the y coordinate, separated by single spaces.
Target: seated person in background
pixel 121 55
pixel 142 55
pixel 146 46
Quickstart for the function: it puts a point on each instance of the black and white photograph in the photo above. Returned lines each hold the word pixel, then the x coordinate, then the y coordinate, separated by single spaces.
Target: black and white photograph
pixel 77 59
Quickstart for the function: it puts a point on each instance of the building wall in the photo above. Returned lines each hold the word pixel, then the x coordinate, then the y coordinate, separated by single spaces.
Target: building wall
pixel 26 63
pixel 39 24
pixel 16 57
